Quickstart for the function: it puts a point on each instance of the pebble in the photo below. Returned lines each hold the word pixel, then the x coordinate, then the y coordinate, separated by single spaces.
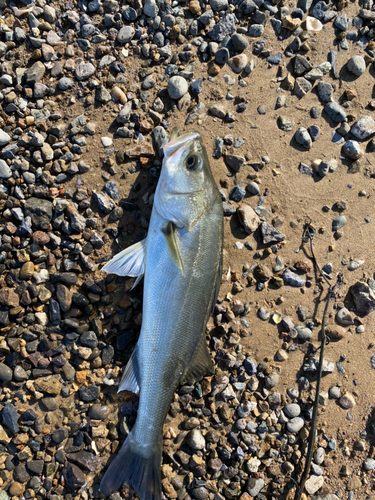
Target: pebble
pixel 356 65
pixel 369 464
pixel 347 401
pixel 352 150
pixel 313 484
pixel 238 63
pixel 319 455
pixel 292 279
pixel 254 486
pixel 4 138
pixel 177 87
pixel 363 128
pixel 295 424
pixel 338 223
pixel 335 112
pixel 6 373
pixel 83 71
pixel 292 410
pixel 125 35
pixel 196 440
pixel 303 138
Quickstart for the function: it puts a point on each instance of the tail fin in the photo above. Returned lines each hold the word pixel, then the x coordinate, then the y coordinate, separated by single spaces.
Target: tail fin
pixel 140 473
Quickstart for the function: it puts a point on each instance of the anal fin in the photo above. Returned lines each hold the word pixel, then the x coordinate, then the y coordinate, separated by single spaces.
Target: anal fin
pixel 131 380
pixel 201 364
pixel 129 262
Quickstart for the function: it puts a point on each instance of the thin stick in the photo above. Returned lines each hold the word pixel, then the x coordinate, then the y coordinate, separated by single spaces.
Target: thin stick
pixel 310 233
pixel 314 418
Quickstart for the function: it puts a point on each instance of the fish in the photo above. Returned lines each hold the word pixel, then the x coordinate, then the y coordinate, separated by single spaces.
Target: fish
pixel 181 261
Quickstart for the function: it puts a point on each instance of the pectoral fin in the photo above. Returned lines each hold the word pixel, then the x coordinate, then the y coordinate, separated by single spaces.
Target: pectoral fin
pixel 170 237
pixel 200 365
pixel 129 262
pixel 131 379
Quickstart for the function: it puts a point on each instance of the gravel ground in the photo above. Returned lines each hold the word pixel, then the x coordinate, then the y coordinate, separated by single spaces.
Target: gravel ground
pixel 282 93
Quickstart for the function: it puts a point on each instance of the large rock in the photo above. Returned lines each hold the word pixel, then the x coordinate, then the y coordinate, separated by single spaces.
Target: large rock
pixel 40 212
pixel 363 295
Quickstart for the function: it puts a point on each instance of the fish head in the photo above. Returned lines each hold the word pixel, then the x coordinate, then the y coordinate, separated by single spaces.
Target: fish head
pixel 186 187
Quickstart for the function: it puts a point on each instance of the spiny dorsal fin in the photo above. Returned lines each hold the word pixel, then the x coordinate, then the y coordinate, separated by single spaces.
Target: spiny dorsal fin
pixel 200 365
pixel 131 380
pixel 169 232
pixel 129 262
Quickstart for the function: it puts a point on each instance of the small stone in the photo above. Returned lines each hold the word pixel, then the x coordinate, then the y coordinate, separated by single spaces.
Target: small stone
pixel 16 489
pixel 224 27
pixel 222 56
pixel 356 65
pixel 295 425
pixel 272 380
pixel 196 440
pixel 292 410
pixel 352 150
pixel 59 435
pixel 74 477
pixel 344 317
pixel 369 464
pixel 218 5
pixel 4 138
pixel 125 35
pixel 177 87
pixel 363 128
pixel 237 194
pixel 239 42
pixel 285 124
pixel 90 393
pixel 253 188
pixel 347 401
pixel 10 418
pixel 5 171
pixel 338 223
pixel 303 332
pixel 84 70
pixel 234 162
pixel 6 373
pixel 238 63
pixel 270 234
pixel 335 112
pixel 248 218
pixel 254 486
pixel 313 484
pixel 319 455
pixel 293 279
pixel 99 412
pixel 325 91
pixel 303 138
pixel 84 459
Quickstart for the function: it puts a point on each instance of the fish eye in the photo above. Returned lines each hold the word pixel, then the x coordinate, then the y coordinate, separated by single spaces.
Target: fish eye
pixel 192 162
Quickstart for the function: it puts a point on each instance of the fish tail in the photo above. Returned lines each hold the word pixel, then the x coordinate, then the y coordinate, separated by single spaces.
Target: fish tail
pixel 140 473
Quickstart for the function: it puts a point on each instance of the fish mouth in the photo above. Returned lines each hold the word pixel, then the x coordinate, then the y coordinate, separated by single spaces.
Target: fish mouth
pixel 175 144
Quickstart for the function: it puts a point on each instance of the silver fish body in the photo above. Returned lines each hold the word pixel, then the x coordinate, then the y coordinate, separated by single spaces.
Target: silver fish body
pixel 182 271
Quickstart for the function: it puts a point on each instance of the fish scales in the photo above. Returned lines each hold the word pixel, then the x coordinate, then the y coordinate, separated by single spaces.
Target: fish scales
pixel 181 260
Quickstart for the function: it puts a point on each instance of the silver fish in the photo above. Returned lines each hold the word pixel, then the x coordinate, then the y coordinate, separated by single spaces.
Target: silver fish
pixel 181 260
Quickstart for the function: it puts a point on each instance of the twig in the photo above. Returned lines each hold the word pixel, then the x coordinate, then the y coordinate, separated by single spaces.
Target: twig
pixel 314 418
pixel 309 234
